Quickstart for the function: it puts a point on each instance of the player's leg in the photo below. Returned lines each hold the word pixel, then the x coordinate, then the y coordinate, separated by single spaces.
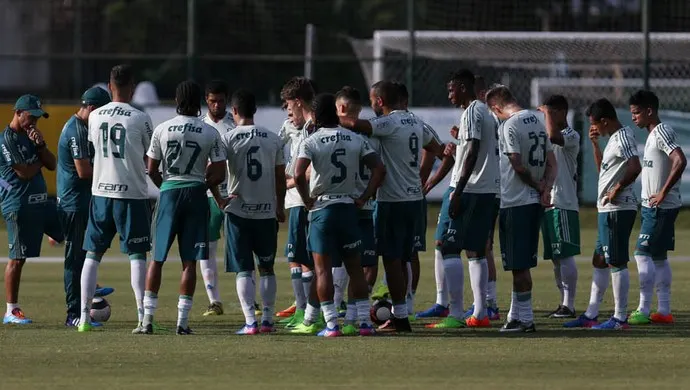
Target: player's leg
pixel 549 236
pixel 209 267
pixel 239 260
pixel 440 308
pixel 370 260
pixel 519 228
pixel 74 227
pixel 167 222
pixel 491 301
pixel 650 223
pixel 265 241
pixel 100 231
pixel 133 223
pixel 617 256
pixel 413 266
pixel 561 229
pixel 24 238
pixel 480 221
pixel 340 282
pixel 663 269
pixel 295 251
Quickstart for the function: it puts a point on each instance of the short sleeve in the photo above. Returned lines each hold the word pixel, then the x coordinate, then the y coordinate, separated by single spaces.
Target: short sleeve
pixel 512 139
pixel 666 139
pixel 218 152
pixel 10 153
pixel 91 134
pixel 280 153
pixel 305 150
pixel 79 143
pixel 626 145
pixel 154 150
pixel 365 149
pixel 381 126
pixel 283 134
pixel 148 131
pixel 472 123
pixel 429 135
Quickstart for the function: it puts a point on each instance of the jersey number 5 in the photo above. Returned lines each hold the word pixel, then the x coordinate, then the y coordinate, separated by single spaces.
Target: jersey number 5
pixel 338 164
pixel 172 156
pixel 537 152
pixel 117 134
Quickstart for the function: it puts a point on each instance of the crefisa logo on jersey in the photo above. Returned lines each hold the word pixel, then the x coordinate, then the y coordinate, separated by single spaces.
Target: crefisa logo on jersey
pixel 111 187
pixel 186 128
pixel 335 138
pixel 6 153
pixel 251 134
pixel 117 111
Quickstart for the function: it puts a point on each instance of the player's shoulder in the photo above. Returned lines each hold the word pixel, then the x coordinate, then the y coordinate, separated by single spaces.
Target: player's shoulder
pixel 570 133
pixel 70 127
pixel 664 130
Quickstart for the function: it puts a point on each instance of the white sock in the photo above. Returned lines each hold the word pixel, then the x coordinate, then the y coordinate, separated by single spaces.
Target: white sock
pixel 330 314
pixel 340 280
pixel 138 280
pixel 557 276
pixel 514 312
pixel 663 286
pixel 646 276
pixel 524 303
pixel 11 307
pixel 351 312
pixel 621 288
pixel 246 291
pixel 297 289
pixel 89 276
pixel 311 314
pixel 491 293
pixel 307 278
pixel 569 281
pixel 267 289
pixel 184 306
pixel 363 312
pixel 409 296
pixel 455 280
pixel 440 275
pixel 150 306
pixel 600 282
pixel 479 278
pixel 209 272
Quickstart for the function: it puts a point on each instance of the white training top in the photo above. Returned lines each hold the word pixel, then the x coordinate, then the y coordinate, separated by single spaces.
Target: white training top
pixel 477 123
pixel 335 155
pixel 402 138
pixel 254 153
pixel 522 133
pixel 222 126
pixel 364 173
pixel 564 192
pixel 184 145
pixel 656 167
pixel 292 137
pixel 121 135
pixel 620 148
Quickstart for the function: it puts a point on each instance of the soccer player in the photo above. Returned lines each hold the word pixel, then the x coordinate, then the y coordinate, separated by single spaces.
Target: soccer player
pixel 561 225
pixel 297 95
pixel 618 167
pixel 218 117
pixel 121 135
pixel 336 155
pixel 470 204
pixel 24 204
pixel 662 167
pixel 184 144
pixel 74 174
pixel 399 199
pixel 528 169
pixel 256 188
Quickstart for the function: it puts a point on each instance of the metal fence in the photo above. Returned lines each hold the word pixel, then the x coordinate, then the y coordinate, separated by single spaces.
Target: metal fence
pixel 57 48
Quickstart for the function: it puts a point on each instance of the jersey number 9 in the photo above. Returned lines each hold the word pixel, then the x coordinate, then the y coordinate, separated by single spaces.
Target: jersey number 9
pixel 118 135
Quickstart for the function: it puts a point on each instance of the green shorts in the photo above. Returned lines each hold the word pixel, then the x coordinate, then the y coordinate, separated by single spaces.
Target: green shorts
pixel 560 230
pixel 215 222
pixel 518 232
pixel 613 236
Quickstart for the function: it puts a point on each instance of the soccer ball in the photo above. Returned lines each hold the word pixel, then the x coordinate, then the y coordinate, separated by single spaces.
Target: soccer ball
pixel 381 311
pixel 100 310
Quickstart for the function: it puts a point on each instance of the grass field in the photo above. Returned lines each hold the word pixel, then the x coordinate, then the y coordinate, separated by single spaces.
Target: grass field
pixel 45 355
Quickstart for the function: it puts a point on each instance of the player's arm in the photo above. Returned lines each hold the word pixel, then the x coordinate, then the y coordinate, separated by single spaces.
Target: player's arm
pixel 152 167
pixel 678 164
pixel 46 157
pixel 472 121
pixel 554 133
pixel 426 166
pixel 13 158
pixel 291 180
pixel 153 158
pixel 301 181
pixel 79 146
pixel 598 154
pixel 441 172
pixel 666 141
pixel 628 151
pixel 361 126
pixel 468 165
pixel 215 174
pixel 378 173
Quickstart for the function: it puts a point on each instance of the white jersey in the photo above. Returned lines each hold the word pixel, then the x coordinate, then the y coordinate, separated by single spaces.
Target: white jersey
pixel 522 133
pixel 656 167
pixel 402 138
pixel 185 144
pixel 254 153
pixel 364 173
pixel 121 135
pixel 477 123
pixel 222 126
pixel 620 148
pixel 291 138
pixel 335 155
pixel 564 192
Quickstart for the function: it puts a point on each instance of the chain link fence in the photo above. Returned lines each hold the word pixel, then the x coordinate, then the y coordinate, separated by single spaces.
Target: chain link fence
pixel 57 48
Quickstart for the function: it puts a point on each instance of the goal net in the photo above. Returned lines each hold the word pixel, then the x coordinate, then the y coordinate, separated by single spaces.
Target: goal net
pixel 516 58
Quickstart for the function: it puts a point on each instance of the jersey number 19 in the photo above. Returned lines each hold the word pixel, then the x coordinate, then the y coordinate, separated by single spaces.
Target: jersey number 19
pixel 116 134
